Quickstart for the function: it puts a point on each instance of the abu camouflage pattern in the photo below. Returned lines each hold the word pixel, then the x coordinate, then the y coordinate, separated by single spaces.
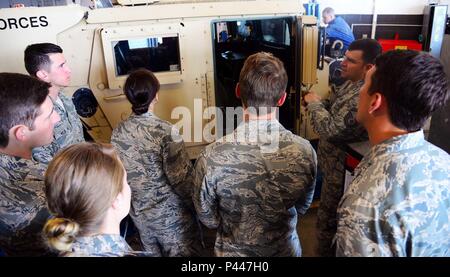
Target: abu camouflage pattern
pixel 66 132
pixel 104 245
pixel 398 204
pixel 252 189
pixel 334 120
pixel 23 207
pixel 159 174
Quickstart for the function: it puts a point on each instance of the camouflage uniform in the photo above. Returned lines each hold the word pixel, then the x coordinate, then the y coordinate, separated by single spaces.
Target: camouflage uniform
pixel 399 201
pixel 252 189
pixel 334 120
pixel 104 246
pixel 23 208
pixel 67 131
pixel 159 170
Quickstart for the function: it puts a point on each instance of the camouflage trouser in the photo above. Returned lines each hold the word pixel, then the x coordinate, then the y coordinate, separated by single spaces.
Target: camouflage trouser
pixel 173 237
pixel 331 161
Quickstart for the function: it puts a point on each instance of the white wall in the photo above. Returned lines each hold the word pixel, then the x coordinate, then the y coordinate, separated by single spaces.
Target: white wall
pixel 401 6
pixel 382 6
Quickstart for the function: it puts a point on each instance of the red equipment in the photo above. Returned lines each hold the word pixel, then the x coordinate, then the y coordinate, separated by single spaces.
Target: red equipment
pixel 392 44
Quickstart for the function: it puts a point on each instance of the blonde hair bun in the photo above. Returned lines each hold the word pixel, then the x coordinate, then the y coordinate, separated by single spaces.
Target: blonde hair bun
pixel 61 233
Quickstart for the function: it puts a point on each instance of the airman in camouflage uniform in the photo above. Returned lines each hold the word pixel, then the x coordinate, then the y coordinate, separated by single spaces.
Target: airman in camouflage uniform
pixel 334 120
pixel 105 245
pixel 67 131
pixel 23 208
pixel 27 121
pixel 252 193
pixel 159 171
pixel 46 62
pixel 398 203
pixel 252 184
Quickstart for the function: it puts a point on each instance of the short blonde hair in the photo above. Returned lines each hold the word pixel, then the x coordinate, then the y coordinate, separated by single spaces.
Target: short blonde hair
pixel 81 183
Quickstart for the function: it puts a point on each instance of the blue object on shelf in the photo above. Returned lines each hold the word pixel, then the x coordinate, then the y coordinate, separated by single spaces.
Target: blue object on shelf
pixel 312 8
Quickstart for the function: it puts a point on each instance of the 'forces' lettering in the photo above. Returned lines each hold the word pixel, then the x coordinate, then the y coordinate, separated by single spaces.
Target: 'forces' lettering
pixel 23 22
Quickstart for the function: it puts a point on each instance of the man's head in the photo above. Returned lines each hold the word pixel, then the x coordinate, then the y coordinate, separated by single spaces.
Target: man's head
pixel 46 61
pixel 359 58
pixel 26 111
pixel 262 82
pixel 405 87
pixel 328 15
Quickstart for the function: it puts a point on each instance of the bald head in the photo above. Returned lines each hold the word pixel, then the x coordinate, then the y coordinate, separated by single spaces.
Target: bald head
pixel 328 15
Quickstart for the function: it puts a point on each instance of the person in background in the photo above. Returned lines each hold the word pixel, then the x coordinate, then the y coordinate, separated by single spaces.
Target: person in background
pixel 159 173
pixel 398 203
pixel 253 183
pixel 27 121
pixel 46 62
pixel 334 120
pixel 337 28
pixel 88 194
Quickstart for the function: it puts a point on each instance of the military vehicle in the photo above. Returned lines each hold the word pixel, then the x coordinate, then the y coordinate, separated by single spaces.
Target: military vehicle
pixel 195 48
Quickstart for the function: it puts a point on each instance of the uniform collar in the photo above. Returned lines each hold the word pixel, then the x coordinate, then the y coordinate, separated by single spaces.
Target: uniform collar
pixel 256 132
pixel 259 125
pixel 147 114
pixel 397 143
pixel 104 243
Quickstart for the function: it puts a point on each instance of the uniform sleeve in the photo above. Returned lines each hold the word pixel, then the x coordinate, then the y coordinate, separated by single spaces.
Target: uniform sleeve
pixel 326 103
pixel 340 127
pixel 177 167
pixel 75 135
pixel 306 199
pixel 138 161
pixel 204 196
pixel 361 231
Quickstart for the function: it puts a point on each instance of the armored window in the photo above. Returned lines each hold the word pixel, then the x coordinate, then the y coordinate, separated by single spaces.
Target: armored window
pixel 158 54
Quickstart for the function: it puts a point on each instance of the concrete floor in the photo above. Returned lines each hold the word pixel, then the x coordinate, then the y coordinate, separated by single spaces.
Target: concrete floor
pixel 306 229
